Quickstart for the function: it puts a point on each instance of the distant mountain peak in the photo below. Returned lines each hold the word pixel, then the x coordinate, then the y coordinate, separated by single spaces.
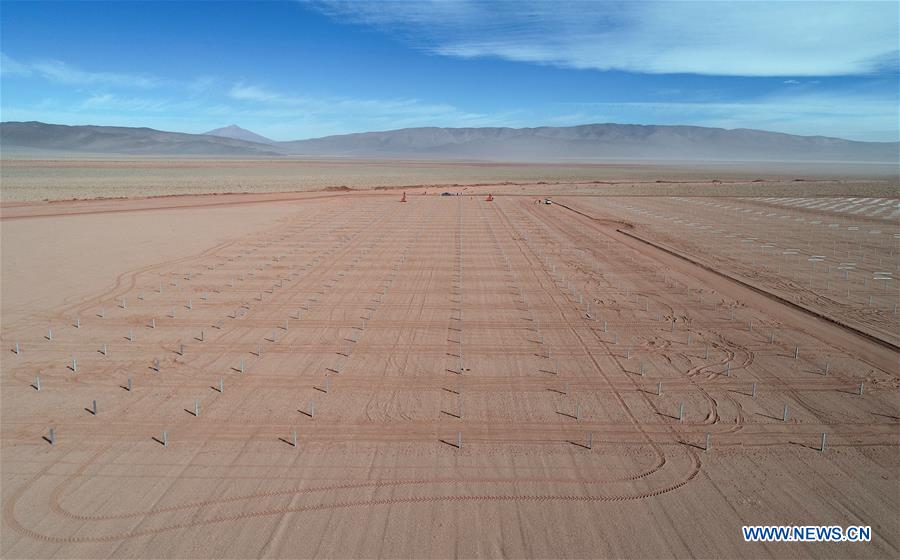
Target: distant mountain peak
pixel 238 133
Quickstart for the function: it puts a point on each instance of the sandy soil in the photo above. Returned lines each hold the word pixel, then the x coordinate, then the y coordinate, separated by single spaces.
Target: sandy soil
pixel 380 332
pixel 62 178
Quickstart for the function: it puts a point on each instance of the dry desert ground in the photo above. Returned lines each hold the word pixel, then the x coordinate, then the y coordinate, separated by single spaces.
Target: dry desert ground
pixel 346 375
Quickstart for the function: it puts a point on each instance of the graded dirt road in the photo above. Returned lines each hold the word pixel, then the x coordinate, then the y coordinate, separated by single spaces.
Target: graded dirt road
pixel 345 375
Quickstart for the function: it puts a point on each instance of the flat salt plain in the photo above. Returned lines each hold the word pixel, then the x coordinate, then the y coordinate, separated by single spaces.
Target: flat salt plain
pixel 380 332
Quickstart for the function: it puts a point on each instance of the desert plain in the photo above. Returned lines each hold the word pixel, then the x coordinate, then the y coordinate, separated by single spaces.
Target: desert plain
pixel 634 371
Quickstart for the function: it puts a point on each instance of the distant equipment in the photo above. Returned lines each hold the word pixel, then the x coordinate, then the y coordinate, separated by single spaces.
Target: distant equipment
pixel 548 201
pixel 490 198
pixel 446 194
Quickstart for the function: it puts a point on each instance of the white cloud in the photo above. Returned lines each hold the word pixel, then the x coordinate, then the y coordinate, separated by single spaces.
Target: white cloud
pixel 62 73
pixel 854 115
pixel 11 67
pixel 351 114
pixel 108 101
pixel 713 38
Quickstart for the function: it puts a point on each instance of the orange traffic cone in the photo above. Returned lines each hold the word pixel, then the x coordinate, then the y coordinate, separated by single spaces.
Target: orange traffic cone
pixel 490 198
pixel 404 198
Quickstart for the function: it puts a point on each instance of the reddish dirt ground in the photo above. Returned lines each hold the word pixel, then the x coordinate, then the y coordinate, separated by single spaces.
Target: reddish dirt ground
pixel 381 334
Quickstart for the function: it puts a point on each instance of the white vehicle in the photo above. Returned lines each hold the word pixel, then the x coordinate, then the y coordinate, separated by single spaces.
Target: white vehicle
pixel 548 201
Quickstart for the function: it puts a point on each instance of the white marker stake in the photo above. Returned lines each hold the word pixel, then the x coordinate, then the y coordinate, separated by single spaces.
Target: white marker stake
pixel 860 389
pixel 130 335
pixel 77 322
pixel 242 365
pixel 707 442
pixel 94 407
pixel 221 385
pixel 51 437
pixel 49 334
pixel 130 386
pixel 196 408
pixel 822 445
pixel 37 383
pixel 74 365
pixel 796 352
pixel 659 389
pixel 590 440
pixel 165 439
pixel 294 438
pixel 459 440
pixel 784 414
pixel 681 413
pixel 17 349
pixel 753 390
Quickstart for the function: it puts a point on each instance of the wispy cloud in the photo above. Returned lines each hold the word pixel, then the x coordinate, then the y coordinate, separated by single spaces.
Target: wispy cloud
pixel 347 114
pixel 62 73
pixel 712 38
pixel 850 114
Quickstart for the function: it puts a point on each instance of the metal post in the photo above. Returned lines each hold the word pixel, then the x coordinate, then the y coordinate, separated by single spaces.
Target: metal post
pixel 784 414
pixel 94 407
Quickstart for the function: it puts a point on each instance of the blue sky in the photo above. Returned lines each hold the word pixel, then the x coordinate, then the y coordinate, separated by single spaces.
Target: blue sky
pixel 292 70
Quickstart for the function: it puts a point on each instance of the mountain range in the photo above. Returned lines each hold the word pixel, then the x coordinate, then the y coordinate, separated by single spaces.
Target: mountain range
pixel 573 143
